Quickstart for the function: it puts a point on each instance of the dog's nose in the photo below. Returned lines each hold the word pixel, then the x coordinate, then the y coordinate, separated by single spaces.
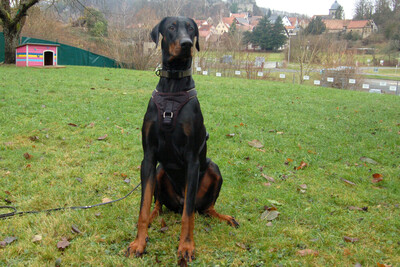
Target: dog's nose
pixel 186 43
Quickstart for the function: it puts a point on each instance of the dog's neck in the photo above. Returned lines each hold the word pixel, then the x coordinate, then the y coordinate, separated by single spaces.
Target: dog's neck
pixel 170 85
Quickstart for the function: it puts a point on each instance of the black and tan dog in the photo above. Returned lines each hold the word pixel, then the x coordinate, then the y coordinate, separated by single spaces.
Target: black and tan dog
pixel 174 136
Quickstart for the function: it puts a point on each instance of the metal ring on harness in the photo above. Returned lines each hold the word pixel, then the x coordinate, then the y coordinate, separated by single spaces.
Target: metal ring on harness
pixel 170 114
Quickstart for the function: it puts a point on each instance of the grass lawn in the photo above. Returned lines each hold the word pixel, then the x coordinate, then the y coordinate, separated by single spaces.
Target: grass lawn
pixel 50 156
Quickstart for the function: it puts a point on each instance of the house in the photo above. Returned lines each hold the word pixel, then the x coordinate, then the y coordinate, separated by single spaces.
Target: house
pixel 362 27
pixel 285 20
pixel 294 26
pixel 35 55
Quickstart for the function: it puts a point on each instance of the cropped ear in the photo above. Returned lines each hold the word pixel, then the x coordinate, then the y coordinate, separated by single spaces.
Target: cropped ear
pixel 155 33
pixel 196 33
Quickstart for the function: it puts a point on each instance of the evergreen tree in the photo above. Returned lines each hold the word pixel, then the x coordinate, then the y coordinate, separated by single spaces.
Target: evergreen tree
pixel 339 14
pixel 315 27
pixel 278 34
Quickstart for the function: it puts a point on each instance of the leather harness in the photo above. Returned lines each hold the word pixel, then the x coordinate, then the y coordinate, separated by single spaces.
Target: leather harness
pixel 169 106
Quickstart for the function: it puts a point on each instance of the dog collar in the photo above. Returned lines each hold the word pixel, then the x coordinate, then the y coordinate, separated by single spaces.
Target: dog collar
pixel 174 74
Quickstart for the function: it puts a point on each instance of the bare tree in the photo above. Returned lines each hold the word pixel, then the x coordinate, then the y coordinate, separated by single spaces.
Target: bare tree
pixel 306 51
pixel 12 19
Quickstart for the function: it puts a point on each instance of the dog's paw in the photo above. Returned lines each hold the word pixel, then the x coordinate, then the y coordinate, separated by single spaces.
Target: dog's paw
pixel 232 222
pixel 185 253
pixel 136 248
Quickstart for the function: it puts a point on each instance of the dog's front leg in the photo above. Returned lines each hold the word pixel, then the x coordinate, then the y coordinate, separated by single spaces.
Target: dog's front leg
pixel 186 243
pixel 147 174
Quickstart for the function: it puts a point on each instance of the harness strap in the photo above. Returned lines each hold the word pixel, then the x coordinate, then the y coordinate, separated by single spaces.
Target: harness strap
pixel 169 106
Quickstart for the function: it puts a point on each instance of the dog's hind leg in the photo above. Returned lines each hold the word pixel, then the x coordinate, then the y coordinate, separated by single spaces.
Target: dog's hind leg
pixel 209 188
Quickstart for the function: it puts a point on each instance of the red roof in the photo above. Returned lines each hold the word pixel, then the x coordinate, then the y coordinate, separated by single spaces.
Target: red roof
pixel 354 24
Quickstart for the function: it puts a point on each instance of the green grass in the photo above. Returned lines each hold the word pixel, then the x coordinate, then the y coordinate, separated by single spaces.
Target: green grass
pixel 326 128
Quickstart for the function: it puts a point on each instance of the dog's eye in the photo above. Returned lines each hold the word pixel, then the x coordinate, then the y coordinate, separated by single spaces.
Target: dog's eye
pixel 171 28
pixel 191 29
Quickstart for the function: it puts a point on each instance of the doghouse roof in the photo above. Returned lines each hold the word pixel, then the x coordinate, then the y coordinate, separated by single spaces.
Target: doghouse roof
pixel 38 44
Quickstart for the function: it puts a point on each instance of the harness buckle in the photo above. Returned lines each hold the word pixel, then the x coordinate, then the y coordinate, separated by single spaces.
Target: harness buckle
pixel 158 72
pixel 169 114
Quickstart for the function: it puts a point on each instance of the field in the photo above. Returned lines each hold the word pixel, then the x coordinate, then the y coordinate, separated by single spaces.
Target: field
pixel 330 165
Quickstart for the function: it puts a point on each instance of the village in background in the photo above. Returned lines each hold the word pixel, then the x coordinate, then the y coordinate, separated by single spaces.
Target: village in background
pixel 236 36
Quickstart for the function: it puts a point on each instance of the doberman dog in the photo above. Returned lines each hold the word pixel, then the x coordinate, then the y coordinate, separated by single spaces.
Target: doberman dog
pixel 174 137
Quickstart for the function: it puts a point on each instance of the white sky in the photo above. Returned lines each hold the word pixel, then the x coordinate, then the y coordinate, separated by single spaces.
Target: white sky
pixel 308 7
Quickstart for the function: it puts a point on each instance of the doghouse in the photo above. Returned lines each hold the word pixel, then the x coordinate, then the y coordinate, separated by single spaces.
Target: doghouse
pixel 35 55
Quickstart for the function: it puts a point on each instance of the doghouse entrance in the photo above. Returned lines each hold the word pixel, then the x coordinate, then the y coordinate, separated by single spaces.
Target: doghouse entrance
pixel 48 58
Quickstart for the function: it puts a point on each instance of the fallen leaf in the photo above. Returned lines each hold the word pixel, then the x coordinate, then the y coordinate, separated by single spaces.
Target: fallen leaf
pixel 63 244
pixel 36 238
pixel 255 143
pixel 368 160
pixel 269 178
pixel 350 239
pixel 241 245
pixel 270 208
pixel 274 202
pixel 79 179
pixel 230 135
pixel 346 252
pixel 72 124
pixel 269 224
pixel 269 215
pixel 102 137
pixel 58 262
pixel 383 265
pixel 302 166
pixel 127 181
pixel 10 239
pixel 347 181
pixel 98 214
pixel 302 188
pixel 266 184
pixel 33 138
pixel 27 156
pixel 377 177
pixel 358 208
pixel 279 132
pixel 3 244
pixel 106 199
pixel 306 252
pixel 75 229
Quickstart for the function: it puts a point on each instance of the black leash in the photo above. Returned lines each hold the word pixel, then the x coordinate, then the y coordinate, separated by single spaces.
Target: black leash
pixel 16 212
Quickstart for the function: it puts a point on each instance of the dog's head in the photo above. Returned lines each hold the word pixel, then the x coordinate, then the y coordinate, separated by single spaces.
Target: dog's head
pixel 178 36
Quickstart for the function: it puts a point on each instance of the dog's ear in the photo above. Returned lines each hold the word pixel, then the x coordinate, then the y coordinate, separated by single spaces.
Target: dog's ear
pixel 155 33
pixel 196 33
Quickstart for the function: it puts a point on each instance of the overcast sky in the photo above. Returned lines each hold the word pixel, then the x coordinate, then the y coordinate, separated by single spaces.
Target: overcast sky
pixel 308 7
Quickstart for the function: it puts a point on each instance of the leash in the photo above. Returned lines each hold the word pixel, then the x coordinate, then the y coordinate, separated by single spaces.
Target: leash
pixel 16 212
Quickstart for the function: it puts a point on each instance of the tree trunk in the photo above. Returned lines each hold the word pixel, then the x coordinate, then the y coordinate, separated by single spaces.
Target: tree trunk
pixel 11 40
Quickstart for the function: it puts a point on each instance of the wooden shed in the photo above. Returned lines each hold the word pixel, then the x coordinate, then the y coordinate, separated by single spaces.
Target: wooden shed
pixel 36 55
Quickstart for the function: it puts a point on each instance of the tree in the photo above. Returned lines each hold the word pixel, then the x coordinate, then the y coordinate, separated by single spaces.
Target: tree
pixel 315 27
pixel 363 10
pixel 278 34
pixel 12 19
pixel 96 23
pixel 339 14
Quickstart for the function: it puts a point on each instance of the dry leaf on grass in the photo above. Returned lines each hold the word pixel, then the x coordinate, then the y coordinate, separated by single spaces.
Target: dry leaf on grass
pixel 350 239
pixel 269 178
pixel 347 181
pixel 27 156
pixel 376 178
pixel 106 199
pixel 255 143
pixel 104 137
pixel 63 244
pixel 302 166
pixel 269 215
pixel 306 252
pixel 36 238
